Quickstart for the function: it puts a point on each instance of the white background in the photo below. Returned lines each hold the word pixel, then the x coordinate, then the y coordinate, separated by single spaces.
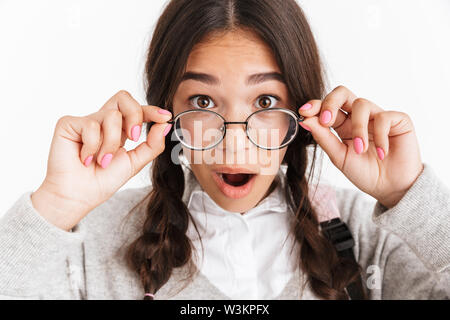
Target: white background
pixel 69 57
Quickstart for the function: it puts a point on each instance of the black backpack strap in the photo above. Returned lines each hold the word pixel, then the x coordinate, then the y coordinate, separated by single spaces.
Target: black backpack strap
pixel 340 236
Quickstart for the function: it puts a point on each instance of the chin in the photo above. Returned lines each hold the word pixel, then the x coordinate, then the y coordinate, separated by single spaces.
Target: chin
pixel 237 199
pixel 236 205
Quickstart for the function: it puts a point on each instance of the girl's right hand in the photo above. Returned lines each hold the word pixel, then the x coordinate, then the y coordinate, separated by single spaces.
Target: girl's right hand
pixel 87 163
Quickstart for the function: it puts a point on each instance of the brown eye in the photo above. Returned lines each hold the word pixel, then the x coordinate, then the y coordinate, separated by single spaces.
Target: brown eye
pixel 265 102
pixel 203 101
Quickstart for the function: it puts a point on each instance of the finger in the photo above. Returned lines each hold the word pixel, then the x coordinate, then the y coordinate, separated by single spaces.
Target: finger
pixel 91 138
pixel 313 107
pixel 112 132
pixel 310 108
pixel 82 130
pixel 362 111
pixel 389 124
pixel 131 111
pixel 151 148
pixel 99 117
pixel 328 141
pixel 156 114
pixel 381 127
pixel 134 114
pixel 339 98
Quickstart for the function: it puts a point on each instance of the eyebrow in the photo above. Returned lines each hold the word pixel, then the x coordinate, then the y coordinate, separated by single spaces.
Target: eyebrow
pixel 251 80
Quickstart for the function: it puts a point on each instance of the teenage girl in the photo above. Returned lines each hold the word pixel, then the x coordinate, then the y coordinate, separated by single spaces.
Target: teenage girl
pixel 217 229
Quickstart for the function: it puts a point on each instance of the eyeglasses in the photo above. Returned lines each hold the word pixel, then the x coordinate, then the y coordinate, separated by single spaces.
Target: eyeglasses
pixel 269 129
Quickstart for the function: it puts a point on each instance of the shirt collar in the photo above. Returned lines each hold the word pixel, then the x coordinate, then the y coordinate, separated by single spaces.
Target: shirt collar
pixel 322 197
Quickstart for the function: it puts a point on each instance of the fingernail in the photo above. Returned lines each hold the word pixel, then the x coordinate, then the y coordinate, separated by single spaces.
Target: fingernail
pixel 358 145
pixel 304 126
pixel 164 111
pixel 167 129
pixel 306 106
pixel 106 160
pixel 88 161
pixel 325 117
pixel 135 133
pixel 380 153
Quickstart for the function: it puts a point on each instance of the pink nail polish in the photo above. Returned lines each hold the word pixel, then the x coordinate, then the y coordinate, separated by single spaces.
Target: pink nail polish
pixel 106 160
pixel 380 153
pixel 306 106
pixel 163 111
pixel 304 126
pixel 135 133
pixel 167 129
pixel 325 117
pixel 358 145
pixel 88 161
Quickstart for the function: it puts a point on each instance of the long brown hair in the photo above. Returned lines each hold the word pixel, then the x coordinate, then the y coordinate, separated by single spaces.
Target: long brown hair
pixel 163 244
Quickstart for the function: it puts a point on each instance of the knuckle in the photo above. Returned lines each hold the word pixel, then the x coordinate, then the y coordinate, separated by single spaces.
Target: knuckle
pixel 381 116
pixel 123 94
pixel 359 102
pixel 114 113
pixel 92 125
pixel 340 88
pixel 405 115
pixel 329 102
pixel 64 119
pixel 114 116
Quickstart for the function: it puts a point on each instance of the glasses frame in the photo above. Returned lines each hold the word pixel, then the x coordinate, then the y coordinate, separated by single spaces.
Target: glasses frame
pixel 225 123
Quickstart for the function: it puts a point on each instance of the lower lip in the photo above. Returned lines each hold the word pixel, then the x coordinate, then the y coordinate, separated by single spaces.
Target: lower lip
pixel 232 191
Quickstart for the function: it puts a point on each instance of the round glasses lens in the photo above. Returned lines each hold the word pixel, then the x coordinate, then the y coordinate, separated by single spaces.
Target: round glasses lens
pixel 199 129
pixel 272 129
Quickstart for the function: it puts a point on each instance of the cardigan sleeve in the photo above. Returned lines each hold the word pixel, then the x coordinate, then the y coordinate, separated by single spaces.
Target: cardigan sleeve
pixel 37 259
pixel 404 251
pixel 41 261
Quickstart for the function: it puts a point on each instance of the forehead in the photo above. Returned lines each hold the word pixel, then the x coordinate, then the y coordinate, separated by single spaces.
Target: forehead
pixel 232 52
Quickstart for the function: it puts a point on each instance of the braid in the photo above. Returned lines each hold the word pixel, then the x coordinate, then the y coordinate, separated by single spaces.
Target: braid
pixel 163 244
pixel 327 273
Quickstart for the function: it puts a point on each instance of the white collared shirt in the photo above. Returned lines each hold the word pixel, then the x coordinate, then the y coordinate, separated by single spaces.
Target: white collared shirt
pixel 245 256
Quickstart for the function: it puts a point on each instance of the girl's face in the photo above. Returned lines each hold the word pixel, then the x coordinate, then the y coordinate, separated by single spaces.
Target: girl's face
pixel 236 174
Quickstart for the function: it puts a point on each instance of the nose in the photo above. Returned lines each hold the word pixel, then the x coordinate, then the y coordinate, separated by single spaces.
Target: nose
pixel 235 138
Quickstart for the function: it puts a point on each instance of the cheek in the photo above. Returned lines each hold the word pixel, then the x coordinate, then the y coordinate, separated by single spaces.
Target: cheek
pixel 270 160
pixel 201 158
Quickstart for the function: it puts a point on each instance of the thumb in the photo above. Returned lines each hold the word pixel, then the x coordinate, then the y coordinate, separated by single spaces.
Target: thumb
pixel 151 148
pixel 328 141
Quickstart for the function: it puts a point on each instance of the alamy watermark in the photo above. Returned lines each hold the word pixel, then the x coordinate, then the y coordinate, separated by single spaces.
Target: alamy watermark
pixel 242 152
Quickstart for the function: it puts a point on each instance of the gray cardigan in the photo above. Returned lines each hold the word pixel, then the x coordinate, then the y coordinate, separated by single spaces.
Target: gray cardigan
pixel 404 251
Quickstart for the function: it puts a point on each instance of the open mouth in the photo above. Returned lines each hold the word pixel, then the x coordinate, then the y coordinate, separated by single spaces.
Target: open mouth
pixel 234 185
pixel 237 179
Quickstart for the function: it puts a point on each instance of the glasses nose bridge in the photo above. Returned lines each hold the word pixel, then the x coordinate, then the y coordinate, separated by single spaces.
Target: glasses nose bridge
pixel 235 140
pixel 235 122
pixel 245 123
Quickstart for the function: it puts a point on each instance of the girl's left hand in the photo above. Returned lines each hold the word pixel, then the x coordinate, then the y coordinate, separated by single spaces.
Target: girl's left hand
pixel 379 152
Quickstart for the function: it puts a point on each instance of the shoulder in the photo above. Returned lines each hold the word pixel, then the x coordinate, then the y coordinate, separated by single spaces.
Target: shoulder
pixel 122 212
pixel 354 204
pixel 356 209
